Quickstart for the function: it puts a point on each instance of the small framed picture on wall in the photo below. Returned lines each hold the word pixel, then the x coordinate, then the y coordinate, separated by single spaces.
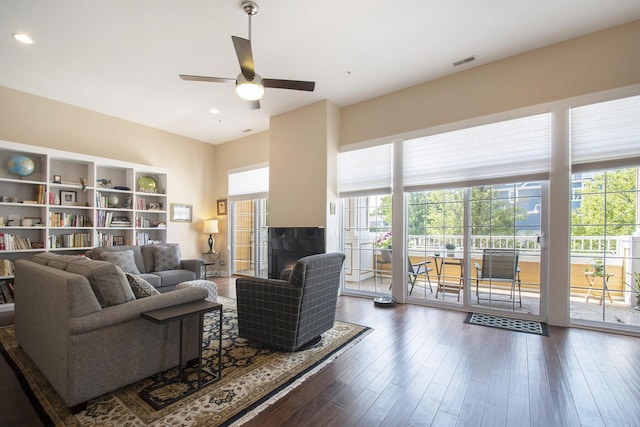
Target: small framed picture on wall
pixel 180 212
pixel 222 207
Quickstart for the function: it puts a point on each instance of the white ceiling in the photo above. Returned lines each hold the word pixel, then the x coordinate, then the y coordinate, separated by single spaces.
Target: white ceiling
pixel 123 57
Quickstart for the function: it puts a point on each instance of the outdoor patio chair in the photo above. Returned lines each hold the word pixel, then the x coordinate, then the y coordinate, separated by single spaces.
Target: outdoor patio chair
pixel 499 265
pixel 419 269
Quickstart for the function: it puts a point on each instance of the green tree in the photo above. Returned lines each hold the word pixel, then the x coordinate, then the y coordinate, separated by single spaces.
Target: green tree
pixel 615 207
pixel 442 212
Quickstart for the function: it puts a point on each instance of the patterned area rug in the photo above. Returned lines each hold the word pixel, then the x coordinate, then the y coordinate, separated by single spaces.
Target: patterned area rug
pixel 253 378
pixel 518 325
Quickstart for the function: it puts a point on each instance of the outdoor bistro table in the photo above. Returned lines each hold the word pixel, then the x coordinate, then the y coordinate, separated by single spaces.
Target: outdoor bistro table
pixel 591 278
pixel 440 261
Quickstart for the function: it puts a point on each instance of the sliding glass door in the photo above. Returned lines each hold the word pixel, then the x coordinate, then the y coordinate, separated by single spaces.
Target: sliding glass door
pixel 249 237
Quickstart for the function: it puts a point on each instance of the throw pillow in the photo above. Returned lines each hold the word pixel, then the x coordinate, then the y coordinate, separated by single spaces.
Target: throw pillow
pixel 107 281
pixel 123 259
pixel 140 287
pixel 166 257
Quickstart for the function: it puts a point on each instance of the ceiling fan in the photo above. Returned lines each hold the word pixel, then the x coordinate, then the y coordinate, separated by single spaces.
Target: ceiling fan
pixel 249 84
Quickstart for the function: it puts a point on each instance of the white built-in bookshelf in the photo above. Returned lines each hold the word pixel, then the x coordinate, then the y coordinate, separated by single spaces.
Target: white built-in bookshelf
pixel 74 202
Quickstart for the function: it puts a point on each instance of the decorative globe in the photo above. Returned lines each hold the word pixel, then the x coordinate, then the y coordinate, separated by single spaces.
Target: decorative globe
pixel 21 165
pixel 113 200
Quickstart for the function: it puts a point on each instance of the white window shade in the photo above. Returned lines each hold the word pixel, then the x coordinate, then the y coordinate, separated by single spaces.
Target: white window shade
pixel 249 184
pixel 515 149
pixel 606 134
pixel 365 171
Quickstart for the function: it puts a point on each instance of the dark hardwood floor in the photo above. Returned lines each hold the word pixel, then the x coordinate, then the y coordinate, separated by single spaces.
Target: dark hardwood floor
pixel 423 366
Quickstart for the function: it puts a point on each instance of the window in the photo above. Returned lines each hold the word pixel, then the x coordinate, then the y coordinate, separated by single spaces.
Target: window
pixel 248 191
pixel 365 187
pixel 605 247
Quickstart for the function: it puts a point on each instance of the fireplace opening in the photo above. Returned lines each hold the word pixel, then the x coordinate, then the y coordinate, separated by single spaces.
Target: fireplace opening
pixel 288 244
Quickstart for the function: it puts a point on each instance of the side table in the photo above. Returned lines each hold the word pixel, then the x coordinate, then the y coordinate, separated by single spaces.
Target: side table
pixel 181 312
pixel 212 264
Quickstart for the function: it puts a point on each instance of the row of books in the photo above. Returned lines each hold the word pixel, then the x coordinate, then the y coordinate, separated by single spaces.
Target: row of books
pixel 142 205
pixel 142 222
pixel 61 219
pixel 106 239
pixel 12 242
pixel 107 219
pixel 6 267
pixel 143 239
pixel 71 240
pixel 6 291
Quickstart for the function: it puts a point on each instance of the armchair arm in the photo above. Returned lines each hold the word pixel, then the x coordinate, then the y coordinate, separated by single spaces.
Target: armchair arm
pixel 194 265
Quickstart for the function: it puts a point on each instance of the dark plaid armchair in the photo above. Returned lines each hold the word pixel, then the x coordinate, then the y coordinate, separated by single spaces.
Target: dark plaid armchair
pixel 289 314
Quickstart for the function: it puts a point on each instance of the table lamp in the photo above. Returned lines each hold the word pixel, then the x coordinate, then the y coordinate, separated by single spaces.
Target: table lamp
pixel 210 227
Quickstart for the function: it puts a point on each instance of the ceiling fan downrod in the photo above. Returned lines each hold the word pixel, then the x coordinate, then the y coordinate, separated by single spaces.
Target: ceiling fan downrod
pixel 251 9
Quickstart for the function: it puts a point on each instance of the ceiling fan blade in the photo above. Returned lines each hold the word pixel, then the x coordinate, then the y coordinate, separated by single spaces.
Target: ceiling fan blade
pixel 245 56
pixel 254 105
pixel 289 84
pixel 205 78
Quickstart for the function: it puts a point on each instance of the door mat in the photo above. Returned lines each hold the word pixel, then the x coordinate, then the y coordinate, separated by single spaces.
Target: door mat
pixel 518 325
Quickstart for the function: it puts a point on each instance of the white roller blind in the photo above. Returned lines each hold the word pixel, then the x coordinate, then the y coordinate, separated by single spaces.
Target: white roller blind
pixel 605 132
pixel 517 149
pixel 249 184
pixel 365 171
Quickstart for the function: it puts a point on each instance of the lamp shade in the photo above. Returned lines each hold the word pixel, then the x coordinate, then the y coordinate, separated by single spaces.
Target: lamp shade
pixel 251 90
pixel 210 226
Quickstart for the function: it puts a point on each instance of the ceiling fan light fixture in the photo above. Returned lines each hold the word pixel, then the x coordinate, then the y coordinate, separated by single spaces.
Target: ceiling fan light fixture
pixel 249 90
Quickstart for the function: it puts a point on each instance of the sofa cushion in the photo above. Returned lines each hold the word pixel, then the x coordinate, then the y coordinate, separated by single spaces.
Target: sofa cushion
pixel 166 258
pixel 140 287
pixel 43 258
pixel 96 253
pixel 173 277
pixel 107 280
pixel 149 255
pixel 61 262
pixel 153 279
pixel 123 259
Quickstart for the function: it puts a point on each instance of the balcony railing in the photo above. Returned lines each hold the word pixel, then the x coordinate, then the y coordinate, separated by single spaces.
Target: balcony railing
pixel 593 245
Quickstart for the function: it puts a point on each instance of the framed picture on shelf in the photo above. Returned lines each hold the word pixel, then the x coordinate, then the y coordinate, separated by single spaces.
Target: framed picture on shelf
pixel 222 207
pixel 180 212
pixel 57 179
pixel 68 198
pixel 118 240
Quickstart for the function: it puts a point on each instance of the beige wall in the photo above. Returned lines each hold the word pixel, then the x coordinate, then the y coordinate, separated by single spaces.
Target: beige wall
pixel 298 168
pixel 248 151
pixel 600 61
pixel 34 120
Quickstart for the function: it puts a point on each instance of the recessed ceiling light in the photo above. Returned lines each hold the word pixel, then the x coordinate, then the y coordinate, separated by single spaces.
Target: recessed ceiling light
pixel 23 38
pixel 214 111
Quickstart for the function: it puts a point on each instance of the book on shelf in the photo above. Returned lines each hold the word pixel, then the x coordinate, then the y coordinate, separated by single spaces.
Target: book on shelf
pixel 41 194
pixel 6 268
pixel 6 293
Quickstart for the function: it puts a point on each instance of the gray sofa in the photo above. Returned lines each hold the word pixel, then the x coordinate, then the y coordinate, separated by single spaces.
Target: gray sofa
pixel 165 275
pixel 80 324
